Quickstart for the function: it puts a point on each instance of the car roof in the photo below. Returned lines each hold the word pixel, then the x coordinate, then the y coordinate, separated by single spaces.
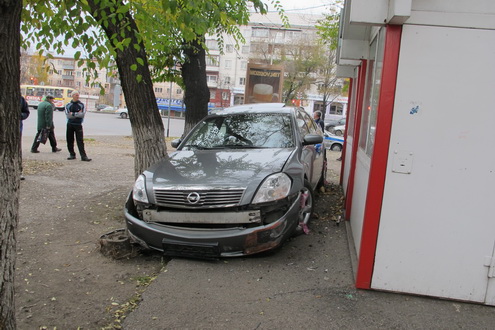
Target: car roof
pixel 257 108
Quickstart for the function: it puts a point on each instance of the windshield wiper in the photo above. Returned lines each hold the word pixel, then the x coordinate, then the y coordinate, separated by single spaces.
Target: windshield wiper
pixel 195 146
pixel 241 146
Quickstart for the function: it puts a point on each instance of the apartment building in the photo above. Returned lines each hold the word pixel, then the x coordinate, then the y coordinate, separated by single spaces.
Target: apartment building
pixel 266 42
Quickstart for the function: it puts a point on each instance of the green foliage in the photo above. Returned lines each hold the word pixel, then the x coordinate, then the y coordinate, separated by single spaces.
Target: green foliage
pixel 164 28
pixel 328 30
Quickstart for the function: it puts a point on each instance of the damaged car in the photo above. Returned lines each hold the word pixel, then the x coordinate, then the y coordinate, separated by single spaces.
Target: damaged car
pixel 241 182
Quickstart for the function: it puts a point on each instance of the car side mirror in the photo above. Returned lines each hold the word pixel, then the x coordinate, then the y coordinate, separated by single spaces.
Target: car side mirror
pixel 312 139
pixel 175 143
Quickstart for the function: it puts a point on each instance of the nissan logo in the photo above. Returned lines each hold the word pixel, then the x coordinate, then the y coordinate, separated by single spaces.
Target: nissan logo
pixel 193 198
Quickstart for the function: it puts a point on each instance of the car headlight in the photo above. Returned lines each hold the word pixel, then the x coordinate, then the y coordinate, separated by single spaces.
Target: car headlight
pixel 139 190
pixel 274 187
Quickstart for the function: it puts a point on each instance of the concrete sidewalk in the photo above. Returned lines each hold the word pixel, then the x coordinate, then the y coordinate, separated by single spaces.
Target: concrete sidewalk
pixel 308 284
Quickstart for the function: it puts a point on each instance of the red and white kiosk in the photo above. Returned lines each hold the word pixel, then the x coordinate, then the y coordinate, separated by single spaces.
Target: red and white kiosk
pixel 418 167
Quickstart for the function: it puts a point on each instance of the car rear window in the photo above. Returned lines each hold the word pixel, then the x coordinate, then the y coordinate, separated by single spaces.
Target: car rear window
pixel 242 131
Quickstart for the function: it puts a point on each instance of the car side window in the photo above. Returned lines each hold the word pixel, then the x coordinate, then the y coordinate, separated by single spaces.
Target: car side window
pixel 301 124
pixel 313 129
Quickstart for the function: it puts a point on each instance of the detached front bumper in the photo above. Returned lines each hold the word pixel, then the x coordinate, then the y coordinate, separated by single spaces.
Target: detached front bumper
pixel 209 242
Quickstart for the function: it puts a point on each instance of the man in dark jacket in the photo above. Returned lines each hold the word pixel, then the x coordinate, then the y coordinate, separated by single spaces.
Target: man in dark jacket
pixel 75 112
pixel 45 121
pixel 24 114
pixel 318 120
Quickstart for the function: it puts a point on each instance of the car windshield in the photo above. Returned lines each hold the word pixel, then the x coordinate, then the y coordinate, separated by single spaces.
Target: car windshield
pixel 242 131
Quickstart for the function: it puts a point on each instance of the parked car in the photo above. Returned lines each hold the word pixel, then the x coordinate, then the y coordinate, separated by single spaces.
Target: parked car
pixel 100 107
pixel 122 113
pixel 331 123
pixel 339 130
pixel 333 142
pixel 241 182
pixel 109 108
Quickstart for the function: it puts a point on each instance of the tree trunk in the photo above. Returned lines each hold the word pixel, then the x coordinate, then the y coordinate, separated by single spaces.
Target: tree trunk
pixel 325 103
pixel 10 18
pixel 197 94
pixel 146 122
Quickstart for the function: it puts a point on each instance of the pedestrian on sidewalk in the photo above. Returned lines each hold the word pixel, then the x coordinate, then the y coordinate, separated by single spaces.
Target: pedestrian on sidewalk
pixel 45 122
pixel 24 114
pixel 318 120
pixel 75 112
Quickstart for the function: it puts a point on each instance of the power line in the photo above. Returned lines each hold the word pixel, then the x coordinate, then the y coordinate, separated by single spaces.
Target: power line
pixel 300 9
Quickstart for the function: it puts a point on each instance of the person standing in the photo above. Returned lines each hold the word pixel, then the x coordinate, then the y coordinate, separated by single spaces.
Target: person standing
pixel 318 120
pixel 45 121
pixel 24 114
pixel 75 112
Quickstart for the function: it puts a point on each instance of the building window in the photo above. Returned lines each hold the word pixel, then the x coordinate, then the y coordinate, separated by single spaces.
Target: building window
pixel 242 81
pixel 179 91
pixel 78 84
pixel 245 49
pixel 336 109
pixel 212 44
pixel 212 61
pixel 372 92
pixel 158 90
pixel 318 106
pixel 227 80
pixel 260 33
pixel 229 48
pixel 243 65
pixel 228 64
pixel 50 72
pixel 78 73
pixel 225 96
pixel 211 78
pixel 213 95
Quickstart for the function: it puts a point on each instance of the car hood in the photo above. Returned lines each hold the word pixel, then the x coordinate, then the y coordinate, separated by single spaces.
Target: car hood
pixel 218 168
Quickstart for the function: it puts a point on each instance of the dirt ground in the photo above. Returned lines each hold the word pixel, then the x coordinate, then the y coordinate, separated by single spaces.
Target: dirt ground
pixel 62 280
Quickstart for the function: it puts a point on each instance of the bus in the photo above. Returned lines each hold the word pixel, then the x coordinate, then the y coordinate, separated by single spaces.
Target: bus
pixel 34 94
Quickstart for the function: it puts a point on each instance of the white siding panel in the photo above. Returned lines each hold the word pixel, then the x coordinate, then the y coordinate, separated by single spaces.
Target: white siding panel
pixel 361 178
pixel 437 223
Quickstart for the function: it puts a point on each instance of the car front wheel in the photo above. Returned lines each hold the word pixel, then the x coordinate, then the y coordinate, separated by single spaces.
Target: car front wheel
pixel 307 205
pixel 336 147
pixel 123 115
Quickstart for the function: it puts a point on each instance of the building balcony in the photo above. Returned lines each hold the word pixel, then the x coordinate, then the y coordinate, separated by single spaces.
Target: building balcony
pixel 68 66
pixel 212 68
pixel 67 77
pixel 212 84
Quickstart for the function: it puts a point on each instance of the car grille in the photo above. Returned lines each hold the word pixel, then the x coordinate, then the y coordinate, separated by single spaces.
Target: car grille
pixel 207 198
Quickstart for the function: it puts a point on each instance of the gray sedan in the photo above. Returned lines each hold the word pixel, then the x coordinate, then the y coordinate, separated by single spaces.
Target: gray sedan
pixel 241 182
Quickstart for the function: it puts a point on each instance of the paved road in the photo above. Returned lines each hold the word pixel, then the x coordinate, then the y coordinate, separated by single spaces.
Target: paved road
pixel 98 123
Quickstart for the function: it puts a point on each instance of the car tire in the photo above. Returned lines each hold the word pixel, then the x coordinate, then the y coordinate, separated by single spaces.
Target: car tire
pixel 123 115
pixel 306 211
pixel 338 132
pixel 336 147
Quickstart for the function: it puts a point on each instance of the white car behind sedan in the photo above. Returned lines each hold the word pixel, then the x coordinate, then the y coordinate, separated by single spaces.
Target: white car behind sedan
pixel 339 130
pixel 122 113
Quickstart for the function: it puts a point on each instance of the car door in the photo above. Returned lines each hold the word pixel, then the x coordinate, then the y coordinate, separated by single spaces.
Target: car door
pixel 312 155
